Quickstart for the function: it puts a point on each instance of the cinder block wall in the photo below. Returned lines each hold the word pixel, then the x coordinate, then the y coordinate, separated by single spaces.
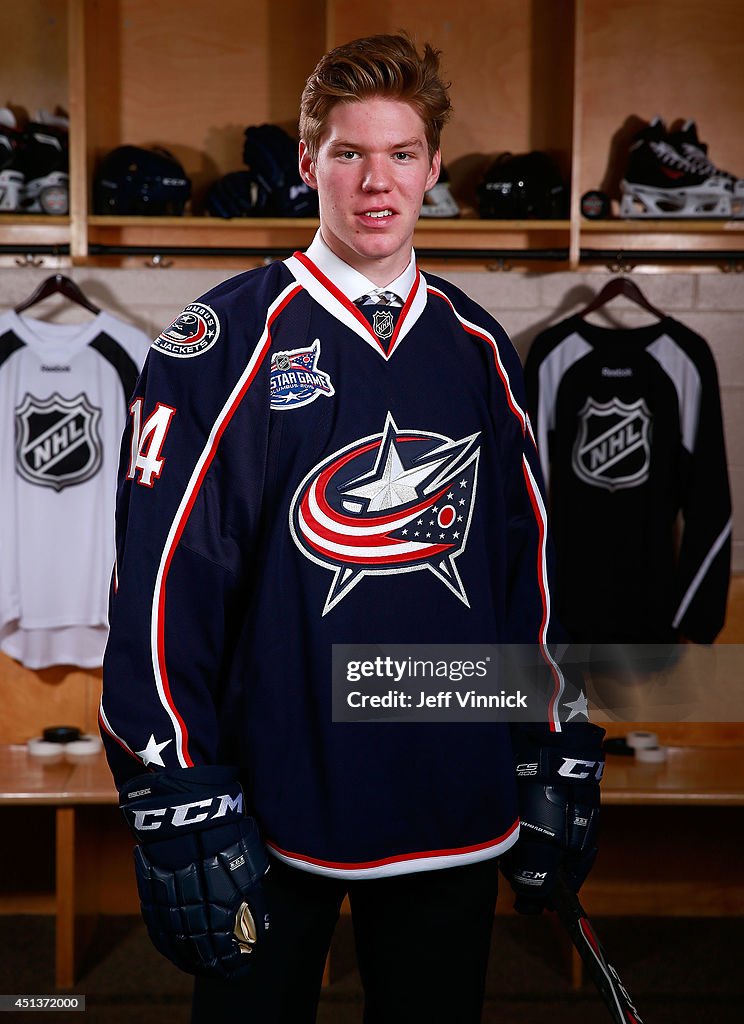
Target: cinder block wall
pixel 710 302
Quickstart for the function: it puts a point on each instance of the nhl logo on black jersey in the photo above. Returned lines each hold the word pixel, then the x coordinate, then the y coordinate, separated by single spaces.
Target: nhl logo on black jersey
pixel 612 449
pixel 383 324
pixel 57 440
pixel 296 379
pixel 391 503
pixel 191 333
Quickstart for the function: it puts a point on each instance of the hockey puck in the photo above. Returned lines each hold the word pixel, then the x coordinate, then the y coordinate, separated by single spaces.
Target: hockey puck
pixel 618 745
pixel 38 747
pixel 595 205
pixel 83 747
pixel 61 734
pixel 638 740
pixel 651 755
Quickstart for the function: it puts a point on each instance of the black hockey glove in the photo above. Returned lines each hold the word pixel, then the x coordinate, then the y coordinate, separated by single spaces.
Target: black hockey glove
pixel 200 865
pixel 558 790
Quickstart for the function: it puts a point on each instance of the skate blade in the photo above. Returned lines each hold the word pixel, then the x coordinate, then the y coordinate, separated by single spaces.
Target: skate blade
pixel 639 201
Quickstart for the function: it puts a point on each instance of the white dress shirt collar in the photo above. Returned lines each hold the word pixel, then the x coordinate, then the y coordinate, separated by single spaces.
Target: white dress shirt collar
pixel 350 281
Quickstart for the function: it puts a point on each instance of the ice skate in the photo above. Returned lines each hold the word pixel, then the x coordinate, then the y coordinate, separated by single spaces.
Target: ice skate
pixel 44 162
pixel 661 182
pixel 11 178
pixel 685 140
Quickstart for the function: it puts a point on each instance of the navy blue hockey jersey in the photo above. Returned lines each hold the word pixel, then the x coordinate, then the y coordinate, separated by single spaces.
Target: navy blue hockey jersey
pixel 629 429
pixel 290 481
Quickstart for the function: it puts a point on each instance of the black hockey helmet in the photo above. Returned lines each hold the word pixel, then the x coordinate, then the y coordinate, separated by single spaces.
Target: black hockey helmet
pixel 270 153
pixel 134 180
pixel 523 185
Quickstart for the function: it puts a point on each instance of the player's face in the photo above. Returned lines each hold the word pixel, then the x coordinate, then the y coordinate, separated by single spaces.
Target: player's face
pixel 371 173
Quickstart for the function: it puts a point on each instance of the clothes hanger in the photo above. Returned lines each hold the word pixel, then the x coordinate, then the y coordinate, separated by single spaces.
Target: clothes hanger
pixel 621 286
pixel 58 284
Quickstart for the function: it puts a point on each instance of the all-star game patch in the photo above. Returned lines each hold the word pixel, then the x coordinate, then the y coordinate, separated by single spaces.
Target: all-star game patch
pixel 191 333
pixel 296 379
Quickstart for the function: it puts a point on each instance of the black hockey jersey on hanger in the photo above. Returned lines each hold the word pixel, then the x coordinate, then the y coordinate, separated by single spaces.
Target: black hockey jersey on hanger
pixel 629 429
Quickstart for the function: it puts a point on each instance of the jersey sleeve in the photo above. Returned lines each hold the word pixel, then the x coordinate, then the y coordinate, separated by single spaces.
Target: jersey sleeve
pixel 704 561
pixel 530 621
pixel 188 503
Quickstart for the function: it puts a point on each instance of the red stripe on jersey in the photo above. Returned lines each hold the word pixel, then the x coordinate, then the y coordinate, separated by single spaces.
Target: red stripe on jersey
pixel 404 313
pixel 114 737
pixel 349 305
pixel 187 512
pixel 484 336
pixel 338 295
pixel 400 859
pixel 543 586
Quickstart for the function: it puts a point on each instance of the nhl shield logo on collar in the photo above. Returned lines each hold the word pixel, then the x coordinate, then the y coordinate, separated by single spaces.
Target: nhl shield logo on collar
pixel 383 324
pixel 57 440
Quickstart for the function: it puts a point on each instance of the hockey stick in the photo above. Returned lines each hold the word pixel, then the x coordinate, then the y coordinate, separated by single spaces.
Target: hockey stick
pixel 574 919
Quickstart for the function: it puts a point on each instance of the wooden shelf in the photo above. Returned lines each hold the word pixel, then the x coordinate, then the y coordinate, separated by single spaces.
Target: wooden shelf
pixel 701 776
pixel 669 226
pixel 32 230
pixel 545 79
pixel 27 902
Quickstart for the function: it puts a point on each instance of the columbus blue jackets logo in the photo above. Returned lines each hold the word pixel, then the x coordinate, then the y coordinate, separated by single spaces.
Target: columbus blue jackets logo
pixel 296 379
pixel 396 502
pixel 191 333
pixel 613 449
pixel 58 443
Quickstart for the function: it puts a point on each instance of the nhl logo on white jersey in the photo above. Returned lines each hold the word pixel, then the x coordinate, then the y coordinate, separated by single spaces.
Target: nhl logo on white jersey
pixel 383 324
pixel 57 440
pixel 612 449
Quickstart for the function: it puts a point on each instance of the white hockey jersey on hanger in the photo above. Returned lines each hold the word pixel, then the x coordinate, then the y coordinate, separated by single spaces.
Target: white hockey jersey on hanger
pixel 64 393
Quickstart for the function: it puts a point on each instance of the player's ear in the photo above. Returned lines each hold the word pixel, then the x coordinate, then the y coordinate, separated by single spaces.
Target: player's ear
pixel 307 167
pixel 433 177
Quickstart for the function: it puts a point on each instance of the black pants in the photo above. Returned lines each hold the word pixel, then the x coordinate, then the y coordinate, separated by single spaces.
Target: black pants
pixel 422 943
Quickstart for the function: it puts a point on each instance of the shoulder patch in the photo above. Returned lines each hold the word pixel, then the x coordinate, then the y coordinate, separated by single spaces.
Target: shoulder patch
pixel 296 379
pixel 191 333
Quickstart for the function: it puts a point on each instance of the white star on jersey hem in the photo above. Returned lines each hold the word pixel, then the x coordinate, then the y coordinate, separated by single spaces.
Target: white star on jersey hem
pixel 151 753
pixel 580 706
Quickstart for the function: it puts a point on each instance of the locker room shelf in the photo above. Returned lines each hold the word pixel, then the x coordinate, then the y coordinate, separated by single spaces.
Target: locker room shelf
pixel 32 230
pixel 546 77
pixel 202 235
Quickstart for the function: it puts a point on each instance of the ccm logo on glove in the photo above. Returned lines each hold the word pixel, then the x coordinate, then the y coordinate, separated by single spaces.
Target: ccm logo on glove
pixel 570 769
pixel 182 815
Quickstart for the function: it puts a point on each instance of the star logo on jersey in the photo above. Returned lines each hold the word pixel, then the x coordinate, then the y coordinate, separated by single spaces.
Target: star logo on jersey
pixel 580 706
pixel 296 379
pixel 396 502
pixel 191 333
pixel 152 753
pixel 613 448
pixel 58 443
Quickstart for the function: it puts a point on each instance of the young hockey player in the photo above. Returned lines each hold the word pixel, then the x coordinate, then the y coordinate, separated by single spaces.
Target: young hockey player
pixel 333 449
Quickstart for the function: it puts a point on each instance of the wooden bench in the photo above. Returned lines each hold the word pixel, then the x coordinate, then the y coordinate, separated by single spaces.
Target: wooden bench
pixel 668 838
pixel 669 841
pixel 91 870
